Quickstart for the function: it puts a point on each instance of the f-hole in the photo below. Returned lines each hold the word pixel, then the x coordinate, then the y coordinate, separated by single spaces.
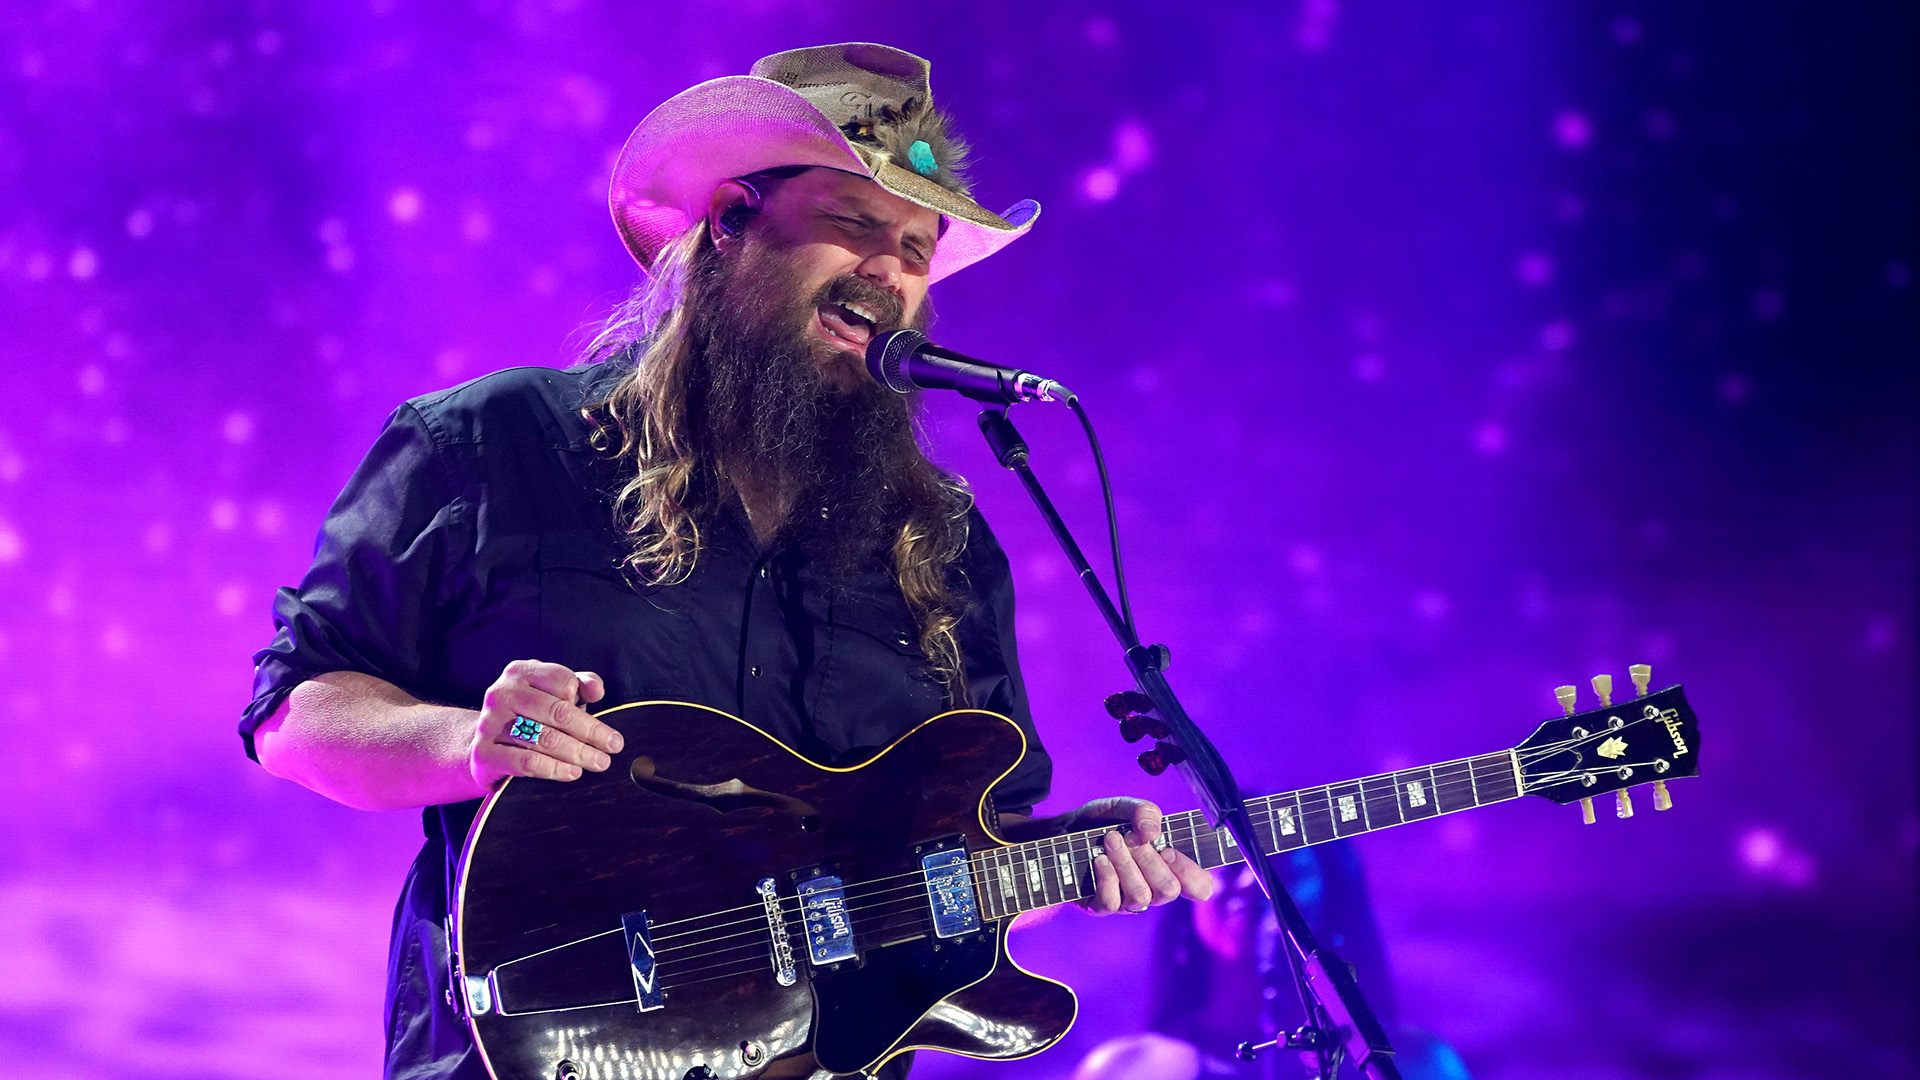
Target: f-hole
pixel 726 797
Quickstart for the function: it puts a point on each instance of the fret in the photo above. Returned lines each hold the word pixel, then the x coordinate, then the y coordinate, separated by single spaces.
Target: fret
pixel 1282 819
pixel 1349 809
pixel 982 896
pixel 1058 870
pixel 1453 786
pixel 1415 790
pixel 1382 800
pixel 1499 783
pixel 1317 816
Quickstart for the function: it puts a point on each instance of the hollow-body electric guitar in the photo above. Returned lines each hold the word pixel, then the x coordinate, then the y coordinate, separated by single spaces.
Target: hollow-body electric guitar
pixel 714 906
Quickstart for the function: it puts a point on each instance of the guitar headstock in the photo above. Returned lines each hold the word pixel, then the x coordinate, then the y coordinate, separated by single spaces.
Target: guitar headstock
pixel 1649 739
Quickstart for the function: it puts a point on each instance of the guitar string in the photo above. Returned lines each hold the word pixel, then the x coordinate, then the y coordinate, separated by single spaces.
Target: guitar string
pixel 916 925
pixel 1450 779
pixel 1447 775
pixel 1183 827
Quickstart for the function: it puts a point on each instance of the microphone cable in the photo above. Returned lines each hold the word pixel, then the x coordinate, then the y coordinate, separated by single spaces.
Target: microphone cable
pixel 1113 517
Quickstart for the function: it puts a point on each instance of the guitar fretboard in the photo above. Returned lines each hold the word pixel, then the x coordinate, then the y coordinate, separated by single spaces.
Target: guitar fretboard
pixel 1059 869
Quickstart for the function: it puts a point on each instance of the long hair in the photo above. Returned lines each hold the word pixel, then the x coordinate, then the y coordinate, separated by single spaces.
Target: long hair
pixel 647 422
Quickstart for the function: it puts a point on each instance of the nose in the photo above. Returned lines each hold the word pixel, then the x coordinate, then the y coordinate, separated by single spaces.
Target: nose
pixel 883 269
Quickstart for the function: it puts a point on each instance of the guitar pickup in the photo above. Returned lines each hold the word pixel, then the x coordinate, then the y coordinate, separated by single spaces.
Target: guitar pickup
pixel 825 920
pixel 950 895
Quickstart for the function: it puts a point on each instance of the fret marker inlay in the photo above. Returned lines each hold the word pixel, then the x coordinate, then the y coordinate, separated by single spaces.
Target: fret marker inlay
pixel 1416 793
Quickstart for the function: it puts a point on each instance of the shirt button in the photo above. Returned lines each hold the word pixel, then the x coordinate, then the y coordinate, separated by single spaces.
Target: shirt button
pixel 754 671
pixel 763 571
pixel 904 641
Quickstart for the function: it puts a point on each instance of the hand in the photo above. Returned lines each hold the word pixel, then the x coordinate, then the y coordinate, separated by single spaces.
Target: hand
pixel 1131 875
pixel 550 695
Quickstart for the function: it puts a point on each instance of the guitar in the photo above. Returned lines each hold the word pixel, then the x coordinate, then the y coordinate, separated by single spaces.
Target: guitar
pixel 715 907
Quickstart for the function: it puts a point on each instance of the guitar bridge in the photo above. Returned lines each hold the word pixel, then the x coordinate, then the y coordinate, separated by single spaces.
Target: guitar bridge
pixel 783 966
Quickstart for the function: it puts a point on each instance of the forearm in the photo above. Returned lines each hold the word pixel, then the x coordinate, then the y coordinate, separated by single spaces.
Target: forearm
pixel 365 742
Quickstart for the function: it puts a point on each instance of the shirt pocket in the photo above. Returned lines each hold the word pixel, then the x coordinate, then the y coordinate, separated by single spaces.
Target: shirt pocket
pixel 594 617
pixel 877 681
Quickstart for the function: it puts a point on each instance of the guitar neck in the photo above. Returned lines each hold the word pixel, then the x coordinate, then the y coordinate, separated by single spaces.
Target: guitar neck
pixel 1059 869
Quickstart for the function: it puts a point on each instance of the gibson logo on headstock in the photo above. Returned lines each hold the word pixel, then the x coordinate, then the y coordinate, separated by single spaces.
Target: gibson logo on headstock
pixel 1670 719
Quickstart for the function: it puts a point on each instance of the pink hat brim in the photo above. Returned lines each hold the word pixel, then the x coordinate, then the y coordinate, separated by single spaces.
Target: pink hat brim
pixel 740 124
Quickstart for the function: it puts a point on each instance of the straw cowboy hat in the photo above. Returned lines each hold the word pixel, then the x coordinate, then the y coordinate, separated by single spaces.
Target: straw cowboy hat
pixel 860 108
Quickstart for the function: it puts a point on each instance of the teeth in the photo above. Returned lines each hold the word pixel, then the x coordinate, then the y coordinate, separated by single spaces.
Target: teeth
pixel 863 311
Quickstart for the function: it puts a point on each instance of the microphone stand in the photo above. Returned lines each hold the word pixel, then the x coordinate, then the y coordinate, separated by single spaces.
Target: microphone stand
pixel 1339 1018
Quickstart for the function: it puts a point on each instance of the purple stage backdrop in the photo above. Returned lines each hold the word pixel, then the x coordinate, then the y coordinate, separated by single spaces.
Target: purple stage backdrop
pixel 1444 352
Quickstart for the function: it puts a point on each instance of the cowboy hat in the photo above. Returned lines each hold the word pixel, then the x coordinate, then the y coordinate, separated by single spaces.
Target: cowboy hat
pixel 860 108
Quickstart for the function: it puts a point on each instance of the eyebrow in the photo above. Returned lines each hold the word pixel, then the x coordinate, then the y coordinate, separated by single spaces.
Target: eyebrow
pixel 845 206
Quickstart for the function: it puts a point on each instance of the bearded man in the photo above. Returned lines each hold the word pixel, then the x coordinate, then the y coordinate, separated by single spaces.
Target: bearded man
pixel 719 507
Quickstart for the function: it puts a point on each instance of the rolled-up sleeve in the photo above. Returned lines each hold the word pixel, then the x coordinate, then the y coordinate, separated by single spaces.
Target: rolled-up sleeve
pixel 374 598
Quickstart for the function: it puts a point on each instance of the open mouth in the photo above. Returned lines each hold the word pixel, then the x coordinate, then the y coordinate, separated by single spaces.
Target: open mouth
pixel 847 326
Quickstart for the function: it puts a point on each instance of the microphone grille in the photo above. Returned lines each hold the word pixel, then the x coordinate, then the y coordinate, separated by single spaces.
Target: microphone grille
pixel 886 354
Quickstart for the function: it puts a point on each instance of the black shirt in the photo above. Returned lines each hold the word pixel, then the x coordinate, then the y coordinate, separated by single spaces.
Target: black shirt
pixel 478 532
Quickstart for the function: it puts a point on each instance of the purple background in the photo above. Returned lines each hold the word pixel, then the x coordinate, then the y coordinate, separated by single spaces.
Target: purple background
pixel 1443 352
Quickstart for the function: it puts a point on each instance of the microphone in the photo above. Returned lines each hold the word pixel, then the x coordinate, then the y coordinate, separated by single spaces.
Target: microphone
pixel 904 361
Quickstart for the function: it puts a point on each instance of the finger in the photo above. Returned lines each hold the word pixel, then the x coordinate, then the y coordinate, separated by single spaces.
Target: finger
pixel 592 686
pixel 1160 879
pixel 1146 822
pixel 1135 894
pixel 1106 886
pixel 563 727
pixel 556 679
pixel 515 698
pixel 571 687
pixel 1196 882
pixel 1144 845
pixel 519 760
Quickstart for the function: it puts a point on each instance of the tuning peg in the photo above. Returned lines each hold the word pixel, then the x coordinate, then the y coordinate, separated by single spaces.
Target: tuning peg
pixel 1566 696
pixel 1662 800
pixel 1642 675
pixel 1622 804
pixel 1586 811
pixel 1603 686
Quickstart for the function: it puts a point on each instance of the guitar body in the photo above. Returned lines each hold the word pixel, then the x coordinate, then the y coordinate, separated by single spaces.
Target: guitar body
pixel 699 817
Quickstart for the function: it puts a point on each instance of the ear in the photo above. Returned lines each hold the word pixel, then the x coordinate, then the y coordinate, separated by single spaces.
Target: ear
pixel 733 204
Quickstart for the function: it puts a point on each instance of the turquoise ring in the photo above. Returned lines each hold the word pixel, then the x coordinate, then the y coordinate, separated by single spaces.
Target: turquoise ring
pixel 527 731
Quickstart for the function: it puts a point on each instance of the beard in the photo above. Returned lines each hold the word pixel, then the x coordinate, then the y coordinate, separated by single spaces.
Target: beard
pixel 800 417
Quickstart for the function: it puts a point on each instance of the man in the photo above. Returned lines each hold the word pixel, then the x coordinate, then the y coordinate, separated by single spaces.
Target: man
pixel 723 510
